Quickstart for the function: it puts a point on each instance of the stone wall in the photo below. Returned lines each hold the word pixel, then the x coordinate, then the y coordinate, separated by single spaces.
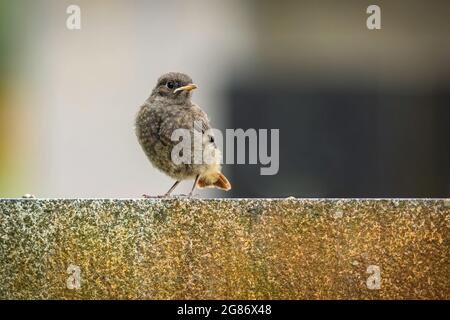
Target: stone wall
pixel 225 249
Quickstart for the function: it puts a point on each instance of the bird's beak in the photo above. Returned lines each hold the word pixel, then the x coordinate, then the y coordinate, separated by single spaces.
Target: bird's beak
pixel 189 87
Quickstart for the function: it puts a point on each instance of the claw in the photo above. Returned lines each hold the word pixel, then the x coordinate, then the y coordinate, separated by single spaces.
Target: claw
pixel 180 196
pixel 146 196
pixel 163 196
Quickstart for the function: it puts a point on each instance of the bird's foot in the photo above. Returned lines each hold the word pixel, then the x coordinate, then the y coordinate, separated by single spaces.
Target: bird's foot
pixel 190 195
pixel 180 196
pixel 146 196
pixel 163 196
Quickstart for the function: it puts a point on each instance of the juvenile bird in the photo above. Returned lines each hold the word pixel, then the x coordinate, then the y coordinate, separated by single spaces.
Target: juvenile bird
pixel 168 108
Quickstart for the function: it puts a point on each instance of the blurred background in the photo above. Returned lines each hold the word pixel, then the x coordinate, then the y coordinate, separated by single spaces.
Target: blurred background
pixel 361 113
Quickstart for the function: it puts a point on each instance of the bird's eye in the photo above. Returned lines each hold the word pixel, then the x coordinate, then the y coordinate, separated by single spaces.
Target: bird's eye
pixel 170 85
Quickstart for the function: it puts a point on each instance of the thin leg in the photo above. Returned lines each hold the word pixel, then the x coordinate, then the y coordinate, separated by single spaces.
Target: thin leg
pixel 193 187
pixel 171 189
pixel 164 195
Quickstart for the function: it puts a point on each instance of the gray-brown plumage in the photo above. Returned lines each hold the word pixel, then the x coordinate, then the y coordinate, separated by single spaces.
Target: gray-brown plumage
pixel 168 108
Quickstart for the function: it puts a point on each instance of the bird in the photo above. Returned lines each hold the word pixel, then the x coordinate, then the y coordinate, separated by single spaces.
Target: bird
pixel 169 108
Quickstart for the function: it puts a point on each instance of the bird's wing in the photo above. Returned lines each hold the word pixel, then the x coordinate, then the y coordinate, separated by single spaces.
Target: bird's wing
pixel 192 118
pixel 200 119
pixel 202 124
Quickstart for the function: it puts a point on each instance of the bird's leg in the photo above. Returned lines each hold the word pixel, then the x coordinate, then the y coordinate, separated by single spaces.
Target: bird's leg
pixel 166 194
pixel 171 189
pixel 193 187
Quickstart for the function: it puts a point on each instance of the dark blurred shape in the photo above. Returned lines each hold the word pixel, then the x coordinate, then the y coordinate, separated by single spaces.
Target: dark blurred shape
pixel 361 113
pixel 354 141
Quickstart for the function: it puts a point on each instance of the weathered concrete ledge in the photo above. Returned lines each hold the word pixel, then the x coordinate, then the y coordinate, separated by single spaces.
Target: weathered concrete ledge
pixel 225 249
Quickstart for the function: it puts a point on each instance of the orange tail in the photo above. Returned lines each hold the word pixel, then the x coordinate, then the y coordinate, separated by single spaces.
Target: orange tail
pixel 214 180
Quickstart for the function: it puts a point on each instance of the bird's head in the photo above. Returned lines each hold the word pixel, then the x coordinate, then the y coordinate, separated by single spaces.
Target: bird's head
pixel 175 87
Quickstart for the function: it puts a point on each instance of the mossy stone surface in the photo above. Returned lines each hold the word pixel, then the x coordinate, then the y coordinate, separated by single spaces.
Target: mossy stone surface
pixel 225 248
